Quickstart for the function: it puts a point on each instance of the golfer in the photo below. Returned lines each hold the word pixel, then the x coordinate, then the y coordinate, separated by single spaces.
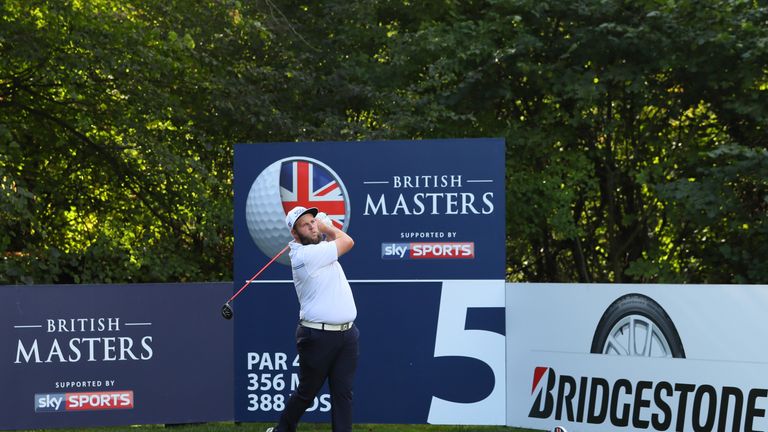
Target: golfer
pixel 326 338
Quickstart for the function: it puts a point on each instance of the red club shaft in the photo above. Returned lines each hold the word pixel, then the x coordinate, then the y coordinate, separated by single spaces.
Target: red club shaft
pixel 259 272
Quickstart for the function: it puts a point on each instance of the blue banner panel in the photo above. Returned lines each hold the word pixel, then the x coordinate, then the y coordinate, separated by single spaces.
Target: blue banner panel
pixel 400 372
pixel 431 209
pixel 427 272
pixel 103 355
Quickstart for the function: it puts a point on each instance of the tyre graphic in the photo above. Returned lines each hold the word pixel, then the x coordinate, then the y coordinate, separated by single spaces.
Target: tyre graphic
pixel 635 325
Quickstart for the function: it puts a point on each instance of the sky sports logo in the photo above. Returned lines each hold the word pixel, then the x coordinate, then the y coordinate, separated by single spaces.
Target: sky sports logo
pixel 428 250
pixel 91 401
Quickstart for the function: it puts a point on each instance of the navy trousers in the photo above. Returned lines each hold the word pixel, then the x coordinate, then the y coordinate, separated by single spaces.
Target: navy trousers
pixel 323 355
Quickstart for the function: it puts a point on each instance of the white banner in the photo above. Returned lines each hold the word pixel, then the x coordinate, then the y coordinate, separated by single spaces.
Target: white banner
pixel 637 357
pixel 454 339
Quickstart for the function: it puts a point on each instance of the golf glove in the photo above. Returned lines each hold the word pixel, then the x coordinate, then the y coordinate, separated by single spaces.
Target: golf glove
pixel 322 217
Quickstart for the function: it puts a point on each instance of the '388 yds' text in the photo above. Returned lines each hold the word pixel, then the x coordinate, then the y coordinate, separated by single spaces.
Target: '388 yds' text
pixel 271 380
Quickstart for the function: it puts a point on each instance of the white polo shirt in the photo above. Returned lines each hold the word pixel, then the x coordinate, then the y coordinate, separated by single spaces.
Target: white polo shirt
pixel 321 285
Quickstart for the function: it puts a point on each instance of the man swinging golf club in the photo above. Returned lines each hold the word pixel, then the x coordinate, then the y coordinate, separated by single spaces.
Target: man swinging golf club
pixel 326 338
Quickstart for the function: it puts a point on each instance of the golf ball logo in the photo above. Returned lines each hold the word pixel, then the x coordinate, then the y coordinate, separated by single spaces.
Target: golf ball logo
pixel 286 183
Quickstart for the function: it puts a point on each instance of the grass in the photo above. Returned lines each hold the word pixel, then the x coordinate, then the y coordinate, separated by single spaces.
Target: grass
pixel 303 427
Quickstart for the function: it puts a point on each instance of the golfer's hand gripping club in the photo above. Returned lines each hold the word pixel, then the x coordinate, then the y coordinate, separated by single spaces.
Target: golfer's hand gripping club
pixel 322 217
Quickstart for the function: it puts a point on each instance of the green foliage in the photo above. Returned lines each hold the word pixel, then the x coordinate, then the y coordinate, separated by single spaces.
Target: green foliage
pixel 603 104
pixel 114 178
pixel 722 234
pixel 636 131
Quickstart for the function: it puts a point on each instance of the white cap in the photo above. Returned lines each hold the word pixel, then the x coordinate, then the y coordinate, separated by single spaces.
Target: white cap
pixel 296 213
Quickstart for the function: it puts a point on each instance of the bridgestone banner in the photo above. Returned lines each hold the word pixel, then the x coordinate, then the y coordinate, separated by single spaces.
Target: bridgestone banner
pixel 637 357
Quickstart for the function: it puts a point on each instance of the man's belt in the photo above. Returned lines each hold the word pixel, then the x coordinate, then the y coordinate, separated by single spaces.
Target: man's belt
pixel 324 326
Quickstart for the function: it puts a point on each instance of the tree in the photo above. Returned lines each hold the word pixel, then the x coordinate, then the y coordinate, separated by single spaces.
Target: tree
pixel 635 130
pixel 606 108
pixel 111 177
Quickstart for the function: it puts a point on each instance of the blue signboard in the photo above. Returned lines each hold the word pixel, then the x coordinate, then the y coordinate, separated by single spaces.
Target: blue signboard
pixel 102 355
pixel 427 272
pixel 420 209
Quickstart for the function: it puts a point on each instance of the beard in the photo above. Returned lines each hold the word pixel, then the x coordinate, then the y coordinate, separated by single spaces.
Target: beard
pixel 308 240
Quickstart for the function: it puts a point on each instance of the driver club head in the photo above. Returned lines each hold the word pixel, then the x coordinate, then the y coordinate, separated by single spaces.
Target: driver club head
pixel 226 311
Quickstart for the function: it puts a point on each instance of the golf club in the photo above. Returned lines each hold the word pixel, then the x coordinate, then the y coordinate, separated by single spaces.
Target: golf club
pixel 226 310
